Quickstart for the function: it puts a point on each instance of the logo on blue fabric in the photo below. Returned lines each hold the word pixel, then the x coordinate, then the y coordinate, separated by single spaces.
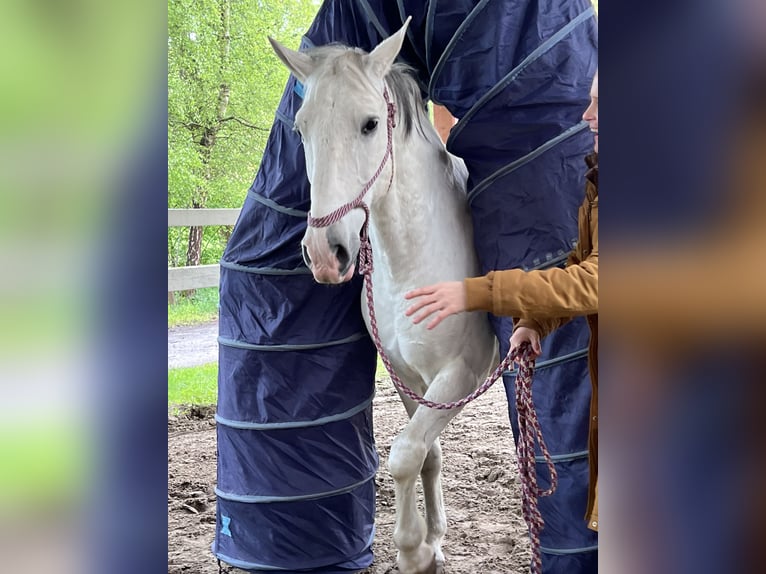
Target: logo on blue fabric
pixel 225 521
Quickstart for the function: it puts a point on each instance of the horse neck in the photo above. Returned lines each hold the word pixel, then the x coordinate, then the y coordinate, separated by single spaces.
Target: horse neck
pixel 421 208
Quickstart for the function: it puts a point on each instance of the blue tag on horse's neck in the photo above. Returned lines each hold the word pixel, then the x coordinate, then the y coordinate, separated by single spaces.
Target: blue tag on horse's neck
pixel 298 89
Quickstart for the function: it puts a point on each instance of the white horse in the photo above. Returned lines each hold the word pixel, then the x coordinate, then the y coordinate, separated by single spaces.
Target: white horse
pixel 421 233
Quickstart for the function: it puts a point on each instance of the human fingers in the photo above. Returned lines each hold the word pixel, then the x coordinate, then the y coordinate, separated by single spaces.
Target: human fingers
pixel 427 310
pixel 525 335
pixel 516 340
pixel 419 304
pixel 447 309
pixel 420 291
pixel 443 314
pixel 514 350
pixel 534 346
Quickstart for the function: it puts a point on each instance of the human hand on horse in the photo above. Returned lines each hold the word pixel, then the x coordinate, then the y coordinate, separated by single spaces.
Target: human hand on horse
pixel 444 299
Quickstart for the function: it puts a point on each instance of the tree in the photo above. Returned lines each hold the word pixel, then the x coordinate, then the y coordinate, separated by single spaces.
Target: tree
pixel 224 84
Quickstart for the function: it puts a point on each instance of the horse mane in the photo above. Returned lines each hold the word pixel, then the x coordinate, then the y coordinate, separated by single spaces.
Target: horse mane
pixel 410 105
pixel 408 97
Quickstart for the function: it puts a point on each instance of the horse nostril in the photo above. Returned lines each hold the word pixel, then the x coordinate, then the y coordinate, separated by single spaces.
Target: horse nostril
pixel 343 257
pixel 306 258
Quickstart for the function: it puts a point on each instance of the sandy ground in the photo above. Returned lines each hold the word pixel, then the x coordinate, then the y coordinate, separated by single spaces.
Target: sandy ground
pixel 486 533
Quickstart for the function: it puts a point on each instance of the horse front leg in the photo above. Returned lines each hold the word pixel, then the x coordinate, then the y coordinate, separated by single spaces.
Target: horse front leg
pixel 417 451
pixel 436 517
pixel 414 556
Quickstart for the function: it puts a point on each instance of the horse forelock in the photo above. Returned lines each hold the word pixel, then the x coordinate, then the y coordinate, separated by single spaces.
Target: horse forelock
pixel 338 60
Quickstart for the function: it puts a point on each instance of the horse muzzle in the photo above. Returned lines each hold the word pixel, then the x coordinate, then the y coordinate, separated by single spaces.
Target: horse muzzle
pixel 332 264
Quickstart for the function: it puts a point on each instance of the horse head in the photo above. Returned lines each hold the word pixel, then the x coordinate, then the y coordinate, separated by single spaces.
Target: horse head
pixel 344 126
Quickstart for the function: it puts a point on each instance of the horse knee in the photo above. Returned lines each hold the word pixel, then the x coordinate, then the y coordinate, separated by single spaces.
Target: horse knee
pixel 406 459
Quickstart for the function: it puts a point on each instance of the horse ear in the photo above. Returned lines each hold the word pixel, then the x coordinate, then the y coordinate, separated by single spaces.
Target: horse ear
pixel 386 52
pixel 298 63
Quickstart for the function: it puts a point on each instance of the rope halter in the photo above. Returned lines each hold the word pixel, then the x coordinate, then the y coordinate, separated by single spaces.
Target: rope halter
pixel 365 249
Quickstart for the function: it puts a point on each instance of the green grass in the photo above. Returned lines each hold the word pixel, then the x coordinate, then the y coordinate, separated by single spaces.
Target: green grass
pixel 193 385
pixel 380 370
pixel 199 308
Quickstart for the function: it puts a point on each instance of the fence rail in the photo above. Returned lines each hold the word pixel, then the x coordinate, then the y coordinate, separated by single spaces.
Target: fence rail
pixel 201 217
pixel 200 276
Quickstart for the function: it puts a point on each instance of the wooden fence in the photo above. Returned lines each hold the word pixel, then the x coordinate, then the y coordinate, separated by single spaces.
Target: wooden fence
pixel 200 276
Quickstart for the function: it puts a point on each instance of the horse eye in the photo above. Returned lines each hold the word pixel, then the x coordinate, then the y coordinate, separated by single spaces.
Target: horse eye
pixel 370 126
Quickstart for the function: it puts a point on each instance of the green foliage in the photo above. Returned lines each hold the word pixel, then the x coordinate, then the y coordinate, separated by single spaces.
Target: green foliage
pixel 193 385
pixel 217 171
pixel 200 307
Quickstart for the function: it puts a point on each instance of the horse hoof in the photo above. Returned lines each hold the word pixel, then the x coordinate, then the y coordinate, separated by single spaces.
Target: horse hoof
pixel 432 568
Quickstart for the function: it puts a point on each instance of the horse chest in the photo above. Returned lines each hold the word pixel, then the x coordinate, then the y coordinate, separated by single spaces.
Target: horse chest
pixel 387 314
pixel 413 350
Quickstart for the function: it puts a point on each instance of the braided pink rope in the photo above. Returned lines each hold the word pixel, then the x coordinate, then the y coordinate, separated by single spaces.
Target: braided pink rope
pixel 529 425
pixel 529 430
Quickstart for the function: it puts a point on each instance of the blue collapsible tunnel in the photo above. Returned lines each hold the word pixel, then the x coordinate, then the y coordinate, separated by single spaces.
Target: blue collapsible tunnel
pixel 296 453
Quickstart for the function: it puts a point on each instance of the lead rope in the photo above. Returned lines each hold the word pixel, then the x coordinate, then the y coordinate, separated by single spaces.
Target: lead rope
pixel 529 430
pixel 529 425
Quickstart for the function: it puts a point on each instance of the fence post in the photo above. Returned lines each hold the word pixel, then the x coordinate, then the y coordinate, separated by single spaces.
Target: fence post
pixel 198 276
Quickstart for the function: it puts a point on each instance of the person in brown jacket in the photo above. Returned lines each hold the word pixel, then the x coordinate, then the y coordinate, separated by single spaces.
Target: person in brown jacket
pixel 543 300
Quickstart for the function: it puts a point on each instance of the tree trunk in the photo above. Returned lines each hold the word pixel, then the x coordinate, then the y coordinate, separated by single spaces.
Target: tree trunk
pixel 207 141
pixel 194 251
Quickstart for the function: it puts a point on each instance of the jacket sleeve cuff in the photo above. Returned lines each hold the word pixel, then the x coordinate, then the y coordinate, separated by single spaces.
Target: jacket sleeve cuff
pixel 529 324
pixel 478 293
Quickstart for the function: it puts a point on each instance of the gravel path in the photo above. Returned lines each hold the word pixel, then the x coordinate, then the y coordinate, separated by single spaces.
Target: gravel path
pixel 190 346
